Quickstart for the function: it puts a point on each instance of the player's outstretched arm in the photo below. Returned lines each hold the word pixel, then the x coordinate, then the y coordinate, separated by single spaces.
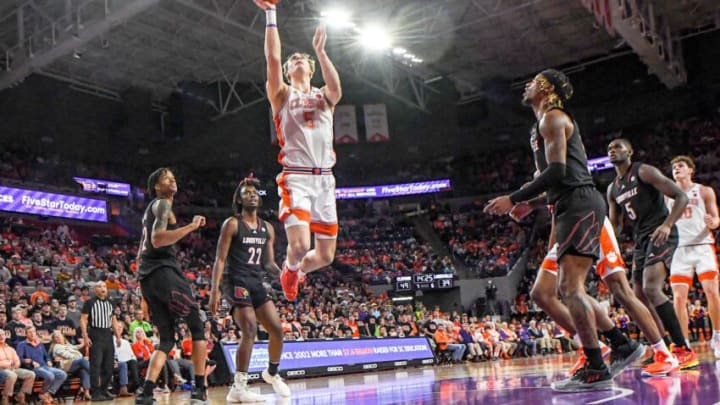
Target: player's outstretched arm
pixel 161 236
pixel 332 89
pixel 227 232
pixel 275 85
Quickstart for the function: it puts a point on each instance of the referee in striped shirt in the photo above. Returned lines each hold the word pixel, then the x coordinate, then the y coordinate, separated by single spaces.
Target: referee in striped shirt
pixel 98 322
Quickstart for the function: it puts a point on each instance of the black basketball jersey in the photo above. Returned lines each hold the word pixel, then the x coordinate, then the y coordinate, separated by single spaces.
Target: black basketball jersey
pixel 640 202
pixel 245 256
pixel 576 170
pixel 152 258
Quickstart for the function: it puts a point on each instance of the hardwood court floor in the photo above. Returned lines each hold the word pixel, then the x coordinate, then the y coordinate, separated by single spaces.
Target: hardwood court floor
pixel 521 381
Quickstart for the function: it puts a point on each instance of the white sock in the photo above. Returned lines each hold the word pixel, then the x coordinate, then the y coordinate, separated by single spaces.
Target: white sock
pixel 241 376
pixel 293 267
pixel 601 344
pixel 576 338
pixel 661 347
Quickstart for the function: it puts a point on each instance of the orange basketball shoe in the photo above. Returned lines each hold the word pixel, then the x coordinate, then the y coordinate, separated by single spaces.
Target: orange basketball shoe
pixel 290 282
pixel 686 357
pixel 663 365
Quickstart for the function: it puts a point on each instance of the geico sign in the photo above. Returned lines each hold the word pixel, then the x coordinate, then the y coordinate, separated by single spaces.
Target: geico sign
pixel 335 369
pixel 369 366
pixel 400 363
pixel 295 373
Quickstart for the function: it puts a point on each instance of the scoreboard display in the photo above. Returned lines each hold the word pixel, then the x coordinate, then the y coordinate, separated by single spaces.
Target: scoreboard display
pixel 424 282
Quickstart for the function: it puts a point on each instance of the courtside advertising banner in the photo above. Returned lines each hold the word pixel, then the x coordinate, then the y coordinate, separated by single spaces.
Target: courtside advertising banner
pixel 326 357
pixel 376 123
pixel 52 205
pixel 345 124
pixel 393 190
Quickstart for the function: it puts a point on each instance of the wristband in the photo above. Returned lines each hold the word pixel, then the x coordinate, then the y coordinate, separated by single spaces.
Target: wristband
pixel 271 18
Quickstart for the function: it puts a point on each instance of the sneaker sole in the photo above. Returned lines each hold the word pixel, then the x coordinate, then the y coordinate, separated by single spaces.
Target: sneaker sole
pixel 598 386
pixel 689 365
pixel 672 371
pixel 198 402
pixel 632 358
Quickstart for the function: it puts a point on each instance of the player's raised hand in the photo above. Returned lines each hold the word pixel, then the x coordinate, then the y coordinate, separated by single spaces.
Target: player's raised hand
pixel 320 38
pixel 198 221
pixel 264 4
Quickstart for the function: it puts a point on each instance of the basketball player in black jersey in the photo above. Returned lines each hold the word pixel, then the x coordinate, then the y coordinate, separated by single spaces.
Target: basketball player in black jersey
pixel 164 286
pixel 638 193
pixel 579 214
pixel 245 251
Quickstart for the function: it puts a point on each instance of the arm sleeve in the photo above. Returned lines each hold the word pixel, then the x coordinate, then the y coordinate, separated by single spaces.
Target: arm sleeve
pixel 553 173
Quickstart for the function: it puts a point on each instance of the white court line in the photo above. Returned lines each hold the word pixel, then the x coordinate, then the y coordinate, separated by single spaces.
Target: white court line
pixel 624 392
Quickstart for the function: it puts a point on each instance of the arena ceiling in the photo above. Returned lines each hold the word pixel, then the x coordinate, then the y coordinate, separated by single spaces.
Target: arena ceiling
pixel 107 46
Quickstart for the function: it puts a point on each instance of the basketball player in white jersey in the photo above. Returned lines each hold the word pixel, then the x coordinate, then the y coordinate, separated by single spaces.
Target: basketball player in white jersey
pixel 303 117
pixel 696 248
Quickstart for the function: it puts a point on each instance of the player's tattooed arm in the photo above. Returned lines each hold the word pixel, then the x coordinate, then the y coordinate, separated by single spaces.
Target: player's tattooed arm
pixel 162 211
pixel 161 236
pixel 269 257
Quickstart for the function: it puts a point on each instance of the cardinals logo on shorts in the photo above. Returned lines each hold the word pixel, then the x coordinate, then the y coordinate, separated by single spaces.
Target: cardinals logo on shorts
pixel 241 292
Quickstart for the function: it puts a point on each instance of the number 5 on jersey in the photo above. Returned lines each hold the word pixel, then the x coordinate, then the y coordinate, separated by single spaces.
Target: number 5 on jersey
pixel 255 255
pixel 630 211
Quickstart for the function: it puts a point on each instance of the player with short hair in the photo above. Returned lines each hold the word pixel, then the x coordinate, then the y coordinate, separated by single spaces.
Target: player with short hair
pixel 638 193
pixel 245 250
pixel 303 117
pixel 696 248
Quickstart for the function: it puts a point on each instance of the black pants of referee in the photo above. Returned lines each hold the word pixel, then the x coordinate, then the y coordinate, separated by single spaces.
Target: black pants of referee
pixel 102 359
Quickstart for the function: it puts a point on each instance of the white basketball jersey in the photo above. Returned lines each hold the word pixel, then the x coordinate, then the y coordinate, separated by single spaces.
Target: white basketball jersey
pixel 304 127
pixel 691 225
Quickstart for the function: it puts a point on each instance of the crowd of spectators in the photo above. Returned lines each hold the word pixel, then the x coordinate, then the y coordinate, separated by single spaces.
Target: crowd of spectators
pixel 48 271
pixel 487 245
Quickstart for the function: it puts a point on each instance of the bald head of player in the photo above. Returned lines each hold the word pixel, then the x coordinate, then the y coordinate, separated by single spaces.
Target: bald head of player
pixel 620 151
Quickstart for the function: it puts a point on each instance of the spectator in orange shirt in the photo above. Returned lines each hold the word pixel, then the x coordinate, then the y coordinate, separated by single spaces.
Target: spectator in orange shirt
pixel 143 348
pixel 113 284
pixel 446 342
pixel 39 293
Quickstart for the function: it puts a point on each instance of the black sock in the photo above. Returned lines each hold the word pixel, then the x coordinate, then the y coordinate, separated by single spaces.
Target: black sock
pixel 148 388
pixel 273 368
pixel 616 337
pixel 199 381
pixel 669 318
pixel 667 340
pixel 594 358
